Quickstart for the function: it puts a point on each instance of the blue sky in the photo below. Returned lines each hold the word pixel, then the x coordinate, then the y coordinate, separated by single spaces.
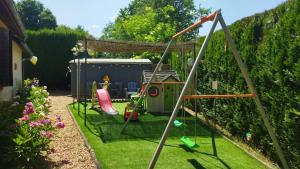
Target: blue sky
pixel 93 15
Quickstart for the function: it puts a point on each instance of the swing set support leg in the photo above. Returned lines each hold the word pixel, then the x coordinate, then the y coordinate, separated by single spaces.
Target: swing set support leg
pixel 179 101
pixel 252 90
pixel 213 132
pixel 218 17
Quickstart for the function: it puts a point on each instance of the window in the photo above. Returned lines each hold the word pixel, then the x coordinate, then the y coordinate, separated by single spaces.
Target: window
pixel 5 58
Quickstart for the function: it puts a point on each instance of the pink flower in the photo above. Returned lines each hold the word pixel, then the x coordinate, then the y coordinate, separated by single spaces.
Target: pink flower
pixel 25 112
pixel 24 118
pixel 60 125
pixel 29 104
pixel 43 133
pixel 49 134
pixel 35 123
pixel 58 118
pixel 28 108
pixel 45 121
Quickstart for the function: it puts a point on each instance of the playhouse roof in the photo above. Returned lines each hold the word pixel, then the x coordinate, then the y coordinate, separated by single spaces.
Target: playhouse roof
pixel 160 76
pixel 118 46
pixel 113 61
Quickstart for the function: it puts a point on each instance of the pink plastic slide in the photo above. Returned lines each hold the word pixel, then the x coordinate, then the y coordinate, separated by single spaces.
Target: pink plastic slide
pixel 105 102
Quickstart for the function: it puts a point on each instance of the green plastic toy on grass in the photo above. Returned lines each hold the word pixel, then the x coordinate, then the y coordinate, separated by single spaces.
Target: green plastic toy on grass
pixel 134 100
pixel 188 142
pixel 177 123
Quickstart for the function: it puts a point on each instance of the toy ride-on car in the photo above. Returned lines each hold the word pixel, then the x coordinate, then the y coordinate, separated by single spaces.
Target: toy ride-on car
pixel 128 110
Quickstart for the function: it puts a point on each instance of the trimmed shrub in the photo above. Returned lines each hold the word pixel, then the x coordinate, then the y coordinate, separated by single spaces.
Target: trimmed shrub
pixel 53 48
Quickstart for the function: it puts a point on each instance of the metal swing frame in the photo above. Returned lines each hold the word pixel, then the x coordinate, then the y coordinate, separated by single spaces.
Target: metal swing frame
pixel 215 17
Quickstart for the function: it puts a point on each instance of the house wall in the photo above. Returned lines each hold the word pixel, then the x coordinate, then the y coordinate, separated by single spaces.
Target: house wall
pixel 2 24
pixel 7 92
pixel 17 67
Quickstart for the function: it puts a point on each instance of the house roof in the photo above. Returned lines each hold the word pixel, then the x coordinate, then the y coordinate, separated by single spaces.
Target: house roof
pixel 160 76
pixel 119 46
pixel 113 61
pixel 10 16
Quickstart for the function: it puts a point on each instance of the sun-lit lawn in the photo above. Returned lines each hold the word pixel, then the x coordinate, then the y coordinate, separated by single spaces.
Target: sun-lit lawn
pixel 134 148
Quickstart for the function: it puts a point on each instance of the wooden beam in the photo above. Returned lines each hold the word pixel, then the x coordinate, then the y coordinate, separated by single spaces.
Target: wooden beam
pixel 117 46
pixel 204 19
pixel 168 83
pixel 226 96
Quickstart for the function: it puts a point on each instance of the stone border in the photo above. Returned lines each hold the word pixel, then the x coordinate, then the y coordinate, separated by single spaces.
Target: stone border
pixel 86 143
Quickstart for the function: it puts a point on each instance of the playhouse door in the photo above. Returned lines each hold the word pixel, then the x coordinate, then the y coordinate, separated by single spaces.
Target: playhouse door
pixel 169 97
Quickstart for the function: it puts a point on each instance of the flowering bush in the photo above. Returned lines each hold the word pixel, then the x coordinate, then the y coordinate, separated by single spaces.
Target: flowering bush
pixel 9 111
pixel 40 100
pixel 34 129
pixel 24 92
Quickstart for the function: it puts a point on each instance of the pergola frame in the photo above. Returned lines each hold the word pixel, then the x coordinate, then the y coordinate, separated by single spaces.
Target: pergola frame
pixel 118 46
pixel 215 17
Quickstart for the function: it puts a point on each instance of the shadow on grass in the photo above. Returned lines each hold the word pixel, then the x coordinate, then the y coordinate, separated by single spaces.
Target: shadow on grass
pixel 190 150
pixel 149 127
pixel 195 164
pixel 223 162
pixel 87 126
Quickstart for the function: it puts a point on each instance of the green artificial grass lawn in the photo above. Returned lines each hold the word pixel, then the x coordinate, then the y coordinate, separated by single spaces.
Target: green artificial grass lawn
pixel 134 149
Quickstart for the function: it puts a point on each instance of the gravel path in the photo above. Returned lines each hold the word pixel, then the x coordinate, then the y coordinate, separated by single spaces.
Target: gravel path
pixel 69 148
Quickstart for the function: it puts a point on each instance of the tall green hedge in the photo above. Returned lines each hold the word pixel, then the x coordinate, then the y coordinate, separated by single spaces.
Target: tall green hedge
pixel 53 48
pixel 269 44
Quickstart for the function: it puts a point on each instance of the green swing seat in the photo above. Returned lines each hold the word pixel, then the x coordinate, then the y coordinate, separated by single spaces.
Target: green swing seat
pixel 177 123
pixel 188 142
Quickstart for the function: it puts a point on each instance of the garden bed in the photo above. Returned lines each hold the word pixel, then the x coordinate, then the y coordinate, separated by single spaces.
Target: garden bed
pixel 134 148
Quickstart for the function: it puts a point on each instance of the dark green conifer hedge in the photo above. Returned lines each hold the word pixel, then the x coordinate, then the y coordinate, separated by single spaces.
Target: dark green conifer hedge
pixel 53 48
pixel 269 44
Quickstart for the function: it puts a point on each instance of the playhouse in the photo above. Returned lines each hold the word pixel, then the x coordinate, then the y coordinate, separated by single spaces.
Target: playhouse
pixel 163 91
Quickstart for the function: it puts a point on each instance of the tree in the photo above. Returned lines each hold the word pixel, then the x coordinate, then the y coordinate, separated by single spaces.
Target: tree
pixel 153 20
pixel 35 16
pixel 143 27
pixel 79 29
